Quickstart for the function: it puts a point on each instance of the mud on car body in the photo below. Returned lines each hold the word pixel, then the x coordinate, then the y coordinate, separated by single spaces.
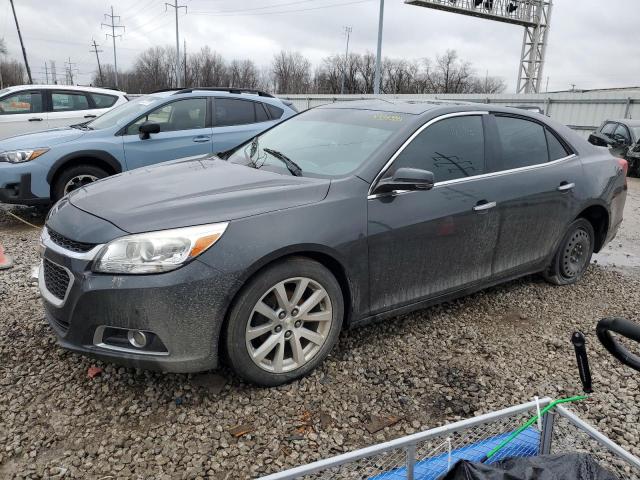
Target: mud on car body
pixel 341 215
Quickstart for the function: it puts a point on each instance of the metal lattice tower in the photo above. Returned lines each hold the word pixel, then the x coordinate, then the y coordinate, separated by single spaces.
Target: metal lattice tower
pixel 533 15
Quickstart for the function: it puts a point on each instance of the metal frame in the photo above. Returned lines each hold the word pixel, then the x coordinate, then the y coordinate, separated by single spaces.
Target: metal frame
pixel 533 15
pixel 409 442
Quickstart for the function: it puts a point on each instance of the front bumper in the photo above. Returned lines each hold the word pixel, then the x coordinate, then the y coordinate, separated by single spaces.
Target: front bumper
pixel 19 192
pixel 184 308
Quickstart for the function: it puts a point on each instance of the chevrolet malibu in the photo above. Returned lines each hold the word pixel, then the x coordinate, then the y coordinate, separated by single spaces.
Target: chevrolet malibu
pixel 344 214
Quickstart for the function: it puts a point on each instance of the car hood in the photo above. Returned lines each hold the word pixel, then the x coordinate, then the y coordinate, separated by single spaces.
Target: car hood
pixel 46 138
pixel 192 191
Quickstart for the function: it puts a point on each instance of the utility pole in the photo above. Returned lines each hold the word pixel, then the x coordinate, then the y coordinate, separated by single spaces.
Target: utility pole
pixel 70 68
pixel 177 7
pixel 54 76
pixel 376 81
pixel 347 32
pixel 46 72
pixel 95 49
pixel 113 35
pixel 184 54
pixel 24 51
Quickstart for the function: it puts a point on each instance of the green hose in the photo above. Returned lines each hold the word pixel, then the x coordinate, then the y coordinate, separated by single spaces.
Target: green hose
pixel 530 422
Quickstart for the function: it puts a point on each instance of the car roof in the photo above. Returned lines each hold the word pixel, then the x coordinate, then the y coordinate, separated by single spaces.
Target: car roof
pixel 67 87
pixel 411 107
pixel 627 121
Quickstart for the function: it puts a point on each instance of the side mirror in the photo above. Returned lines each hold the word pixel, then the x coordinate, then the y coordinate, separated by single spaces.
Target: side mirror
pixel 406 179
pixel 147 128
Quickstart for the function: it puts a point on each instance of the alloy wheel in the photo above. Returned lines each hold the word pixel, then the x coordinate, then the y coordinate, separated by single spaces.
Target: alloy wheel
pixel 289 325
pixel 78 181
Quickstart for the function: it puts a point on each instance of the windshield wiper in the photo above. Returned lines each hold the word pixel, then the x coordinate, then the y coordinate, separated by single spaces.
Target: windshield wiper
pixel 81 126
pixel 292 166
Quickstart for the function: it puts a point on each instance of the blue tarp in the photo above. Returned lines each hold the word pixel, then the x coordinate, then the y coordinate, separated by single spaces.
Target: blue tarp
pixel 524 445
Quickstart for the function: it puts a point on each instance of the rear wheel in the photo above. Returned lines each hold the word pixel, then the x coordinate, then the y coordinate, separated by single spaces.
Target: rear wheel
pixel 74 178
pixel 574 254
pixel 284 323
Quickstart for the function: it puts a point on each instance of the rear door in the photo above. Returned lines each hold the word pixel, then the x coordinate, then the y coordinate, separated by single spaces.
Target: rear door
pixel 535 178
pixel 184 132
pixel 237 120
pixel 423 244
pixel 68 107
pixel 100 103
pixel 22 112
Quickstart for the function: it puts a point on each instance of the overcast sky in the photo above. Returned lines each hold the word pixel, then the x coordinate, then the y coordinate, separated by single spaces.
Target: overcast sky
pixel 593 43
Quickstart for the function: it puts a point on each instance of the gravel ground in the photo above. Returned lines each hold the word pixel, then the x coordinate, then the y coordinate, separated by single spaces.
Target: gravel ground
pixel 481 353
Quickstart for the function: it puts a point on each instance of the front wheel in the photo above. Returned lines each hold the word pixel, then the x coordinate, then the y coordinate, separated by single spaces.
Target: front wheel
pixel 74 178
pixel 284 323
pixel 574 254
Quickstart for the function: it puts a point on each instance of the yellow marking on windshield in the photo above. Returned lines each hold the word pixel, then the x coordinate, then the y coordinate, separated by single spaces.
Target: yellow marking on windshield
pixel 387 117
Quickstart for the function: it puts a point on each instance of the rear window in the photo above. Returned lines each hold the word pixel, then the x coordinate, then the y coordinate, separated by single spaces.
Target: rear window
pixel 523 142
pixel 556 149
pixel 261 113
pixel 231 111
pixel 276 112
pixel 102 100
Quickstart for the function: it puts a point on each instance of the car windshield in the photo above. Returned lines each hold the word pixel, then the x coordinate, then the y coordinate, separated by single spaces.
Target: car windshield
pixel 119 116
pixel 325 142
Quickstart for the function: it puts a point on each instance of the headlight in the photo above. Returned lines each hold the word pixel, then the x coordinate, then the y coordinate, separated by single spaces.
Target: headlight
pixel 156 252
pixel 19 156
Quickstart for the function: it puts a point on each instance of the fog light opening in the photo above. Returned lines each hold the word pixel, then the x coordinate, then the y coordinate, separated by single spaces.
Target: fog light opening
pixel 137 338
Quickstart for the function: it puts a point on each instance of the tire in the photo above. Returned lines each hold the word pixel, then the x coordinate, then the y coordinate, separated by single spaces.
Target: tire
pixel 574 254
pixel 84 174
pixel 272 332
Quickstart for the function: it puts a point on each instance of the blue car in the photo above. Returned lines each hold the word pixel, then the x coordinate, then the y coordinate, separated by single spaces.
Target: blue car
pixel 40 168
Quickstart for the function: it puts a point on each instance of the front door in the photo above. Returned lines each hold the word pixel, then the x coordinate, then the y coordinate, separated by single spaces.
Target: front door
pixel 183 133
pixel 22 112
pixel 424 244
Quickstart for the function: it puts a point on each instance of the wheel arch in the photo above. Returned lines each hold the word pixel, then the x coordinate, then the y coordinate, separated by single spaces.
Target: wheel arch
pixel 598 215
pixel 321 254
pixel 97 158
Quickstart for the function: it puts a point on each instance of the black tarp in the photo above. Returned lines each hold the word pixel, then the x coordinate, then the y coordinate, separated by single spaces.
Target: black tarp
pixel 573 466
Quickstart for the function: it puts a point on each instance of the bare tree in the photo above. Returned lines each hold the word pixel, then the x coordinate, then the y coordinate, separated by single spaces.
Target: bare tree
pixel 3 47
pixel 291 72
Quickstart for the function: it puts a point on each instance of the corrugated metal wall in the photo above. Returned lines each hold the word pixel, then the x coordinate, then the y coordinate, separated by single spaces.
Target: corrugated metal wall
pixel 582 111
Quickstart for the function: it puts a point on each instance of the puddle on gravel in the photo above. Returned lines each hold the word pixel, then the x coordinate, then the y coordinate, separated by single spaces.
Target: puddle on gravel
pixel 621 261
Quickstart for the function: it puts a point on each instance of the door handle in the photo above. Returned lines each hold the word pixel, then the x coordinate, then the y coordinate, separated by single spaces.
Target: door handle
pixel 36 119
pixel 90 116
pixel 483 206
pixel 201 138
pixel 565 187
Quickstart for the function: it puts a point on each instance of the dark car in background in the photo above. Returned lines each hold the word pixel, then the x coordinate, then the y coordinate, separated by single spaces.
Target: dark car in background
pixel 341 215
pixel 622 137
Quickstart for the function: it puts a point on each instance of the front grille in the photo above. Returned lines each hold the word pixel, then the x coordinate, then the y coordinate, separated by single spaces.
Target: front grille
pixel 69 244
pixel 56 279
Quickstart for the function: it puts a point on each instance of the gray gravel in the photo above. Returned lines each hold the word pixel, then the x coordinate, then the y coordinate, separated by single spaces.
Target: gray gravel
pixel 484 352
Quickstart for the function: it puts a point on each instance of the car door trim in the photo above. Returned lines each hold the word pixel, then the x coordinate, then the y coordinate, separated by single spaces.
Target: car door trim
pixel 409 140
pixel 461 179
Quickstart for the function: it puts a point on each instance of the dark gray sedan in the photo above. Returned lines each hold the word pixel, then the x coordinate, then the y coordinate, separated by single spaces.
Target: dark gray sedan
pixel 341 215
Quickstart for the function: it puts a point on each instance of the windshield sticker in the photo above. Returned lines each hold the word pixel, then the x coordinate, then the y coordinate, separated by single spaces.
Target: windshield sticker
pixel 387 117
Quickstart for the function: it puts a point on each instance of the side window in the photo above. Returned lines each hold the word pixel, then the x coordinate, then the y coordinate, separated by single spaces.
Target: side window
pixel 261 113
pixel 622 133
pixel 231 111
pixel 451 148
pixel 24 102
pixel 180 115
pixel 103 101
pixel 69 101
pixel 556 149
pixel 608 128
pixel 276 112
pixel 523 142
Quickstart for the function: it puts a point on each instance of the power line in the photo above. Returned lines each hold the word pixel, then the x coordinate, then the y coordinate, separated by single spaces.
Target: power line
pixel 176 7
pixel 95 49
pixel 113 35
pixel 264 7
